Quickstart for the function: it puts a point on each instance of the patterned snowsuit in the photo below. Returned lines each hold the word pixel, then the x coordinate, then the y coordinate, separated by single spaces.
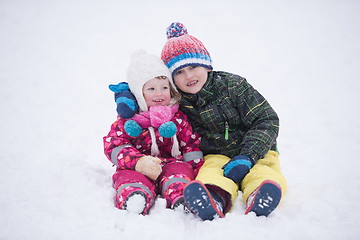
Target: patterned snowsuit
pixel 124 151
pixel 233 119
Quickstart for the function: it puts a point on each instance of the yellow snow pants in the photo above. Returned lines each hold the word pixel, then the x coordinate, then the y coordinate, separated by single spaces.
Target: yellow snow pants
pixel 267 168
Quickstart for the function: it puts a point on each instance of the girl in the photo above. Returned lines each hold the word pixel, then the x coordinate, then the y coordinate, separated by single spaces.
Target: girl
pixel 155 151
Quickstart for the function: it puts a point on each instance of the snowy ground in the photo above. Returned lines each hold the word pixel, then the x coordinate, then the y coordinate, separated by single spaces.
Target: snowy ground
pixel 58 57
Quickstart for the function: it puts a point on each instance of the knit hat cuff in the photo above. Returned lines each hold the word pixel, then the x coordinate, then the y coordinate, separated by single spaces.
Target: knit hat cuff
pixel 189 59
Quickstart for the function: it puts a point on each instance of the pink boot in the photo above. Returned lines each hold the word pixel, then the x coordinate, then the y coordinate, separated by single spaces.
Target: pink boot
pixel 134 191
pixel 133 199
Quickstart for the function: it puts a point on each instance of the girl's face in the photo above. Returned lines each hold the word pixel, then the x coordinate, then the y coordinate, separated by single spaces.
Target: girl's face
pixel 157 92
pixel 191 79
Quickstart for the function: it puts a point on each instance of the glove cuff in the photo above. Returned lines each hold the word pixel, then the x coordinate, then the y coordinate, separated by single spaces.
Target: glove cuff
pixel 238 160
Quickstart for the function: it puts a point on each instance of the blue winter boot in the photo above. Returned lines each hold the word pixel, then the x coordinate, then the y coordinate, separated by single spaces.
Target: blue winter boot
pixel 202 201
pixel 264 199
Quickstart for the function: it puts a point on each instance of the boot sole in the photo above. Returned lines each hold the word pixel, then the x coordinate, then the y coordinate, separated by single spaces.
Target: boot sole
pixel 265 200
pixel 200 202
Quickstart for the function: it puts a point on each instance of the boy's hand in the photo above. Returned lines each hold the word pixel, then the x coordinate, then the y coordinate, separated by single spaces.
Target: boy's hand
pixel 238 167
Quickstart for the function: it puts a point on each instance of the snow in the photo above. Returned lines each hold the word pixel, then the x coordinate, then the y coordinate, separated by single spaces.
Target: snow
pixel 136 203
pixel 58 57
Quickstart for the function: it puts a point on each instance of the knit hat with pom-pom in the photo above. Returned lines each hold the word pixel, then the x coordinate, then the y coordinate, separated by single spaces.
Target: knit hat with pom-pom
pixel 182 50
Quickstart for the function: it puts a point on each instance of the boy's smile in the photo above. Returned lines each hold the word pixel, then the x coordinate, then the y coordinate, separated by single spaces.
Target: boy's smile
pixel 192 83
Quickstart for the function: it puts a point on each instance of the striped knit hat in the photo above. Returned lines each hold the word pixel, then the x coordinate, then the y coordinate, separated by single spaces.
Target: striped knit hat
pixel 182 50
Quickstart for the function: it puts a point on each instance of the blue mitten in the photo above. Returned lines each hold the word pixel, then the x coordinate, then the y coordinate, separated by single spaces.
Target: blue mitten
pixel 126 105
pixel 120 87
pixel 238 167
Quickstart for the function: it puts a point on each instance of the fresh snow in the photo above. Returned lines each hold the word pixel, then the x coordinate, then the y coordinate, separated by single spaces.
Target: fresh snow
pixel 136 203
pixel 58 58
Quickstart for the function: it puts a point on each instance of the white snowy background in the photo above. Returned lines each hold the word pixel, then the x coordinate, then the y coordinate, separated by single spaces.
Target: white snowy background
pixel 57 59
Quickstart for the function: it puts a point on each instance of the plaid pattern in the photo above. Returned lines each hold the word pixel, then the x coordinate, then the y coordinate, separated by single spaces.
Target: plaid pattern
pixel 229 101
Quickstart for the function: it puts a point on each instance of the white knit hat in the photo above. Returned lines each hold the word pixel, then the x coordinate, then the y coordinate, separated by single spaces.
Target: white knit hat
pixel 144 67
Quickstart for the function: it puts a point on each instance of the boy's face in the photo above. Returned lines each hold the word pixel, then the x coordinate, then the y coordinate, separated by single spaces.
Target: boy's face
pixel 191 79
pixel 157 92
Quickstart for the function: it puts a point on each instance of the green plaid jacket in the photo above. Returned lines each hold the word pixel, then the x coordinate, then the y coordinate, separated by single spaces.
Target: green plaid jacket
pixel 231 117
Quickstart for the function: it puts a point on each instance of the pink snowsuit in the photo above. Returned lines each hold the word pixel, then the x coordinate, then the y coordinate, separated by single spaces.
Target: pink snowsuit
pixel 124 151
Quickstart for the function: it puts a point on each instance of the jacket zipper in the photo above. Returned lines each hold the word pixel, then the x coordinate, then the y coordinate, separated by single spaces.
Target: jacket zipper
pixel 226 131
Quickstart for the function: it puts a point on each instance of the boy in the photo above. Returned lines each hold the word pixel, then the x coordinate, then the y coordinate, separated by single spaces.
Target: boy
pixel 238 130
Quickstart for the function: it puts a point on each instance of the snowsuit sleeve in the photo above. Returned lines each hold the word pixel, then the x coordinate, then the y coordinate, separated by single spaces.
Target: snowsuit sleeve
pixel 118 147
pixel 189 142
pixel 258 117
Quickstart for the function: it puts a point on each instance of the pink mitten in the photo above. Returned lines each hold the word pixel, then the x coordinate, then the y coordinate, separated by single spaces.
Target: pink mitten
pixel 149 166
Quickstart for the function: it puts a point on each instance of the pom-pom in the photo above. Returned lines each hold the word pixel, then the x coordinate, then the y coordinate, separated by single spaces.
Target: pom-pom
pixel 132 128
pixel 167 129
pixel 176 29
